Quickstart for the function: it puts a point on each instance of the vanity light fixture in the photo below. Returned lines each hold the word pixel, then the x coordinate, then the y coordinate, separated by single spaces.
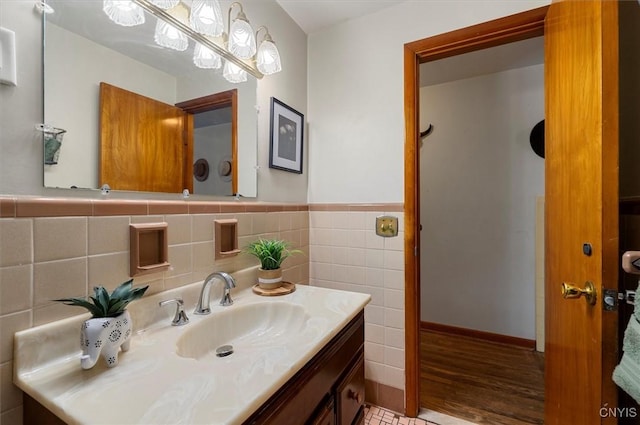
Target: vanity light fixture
pixel 233 73
pixel 167 35
pixel 206 17
pixel 242 41
pixel 202 22
pixel 123 12
pixel 165 4
pixel 204 57
pixel 268 56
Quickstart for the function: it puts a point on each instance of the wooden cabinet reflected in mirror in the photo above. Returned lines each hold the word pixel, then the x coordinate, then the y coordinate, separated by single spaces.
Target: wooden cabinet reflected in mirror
pixel 152 146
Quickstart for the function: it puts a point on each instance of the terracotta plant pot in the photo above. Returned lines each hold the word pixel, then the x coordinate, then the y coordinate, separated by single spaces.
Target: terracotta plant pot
pixel 269 279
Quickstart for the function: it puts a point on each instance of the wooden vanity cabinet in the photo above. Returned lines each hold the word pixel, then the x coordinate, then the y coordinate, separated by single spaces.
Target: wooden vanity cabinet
pixel 328 390
pixel 350 393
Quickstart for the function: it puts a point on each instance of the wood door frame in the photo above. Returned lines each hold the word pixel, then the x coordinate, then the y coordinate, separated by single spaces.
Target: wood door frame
pixel 211 103
pixel 505 30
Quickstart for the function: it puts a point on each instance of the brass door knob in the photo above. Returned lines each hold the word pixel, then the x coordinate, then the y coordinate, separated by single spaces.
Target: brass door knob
pixel 570 291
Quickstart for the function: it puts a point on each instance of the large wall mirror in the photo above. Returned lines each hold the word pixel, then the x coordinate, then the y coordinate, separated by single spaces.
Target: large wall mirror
pixel 84 50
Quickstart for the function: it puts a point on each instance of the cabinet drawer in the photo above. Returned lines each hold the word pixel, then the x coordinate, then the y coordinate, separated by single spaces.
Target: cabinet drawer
pixel 350 392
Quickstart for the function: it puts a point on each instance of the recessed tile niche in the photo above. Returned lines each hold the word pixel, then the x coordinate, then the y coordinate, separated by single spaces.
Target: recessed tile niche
pixel 226 238
pixel 149 248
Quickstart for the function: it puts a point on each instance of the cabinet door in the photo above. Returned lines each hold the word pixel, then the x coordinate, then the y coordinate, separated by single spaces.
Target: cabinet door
pixel 350 393
pixel 325 415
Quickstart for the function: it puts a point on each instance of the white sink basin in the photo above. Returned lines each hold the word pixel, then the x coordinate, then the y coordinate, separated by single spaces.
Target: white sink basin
pixel 251 327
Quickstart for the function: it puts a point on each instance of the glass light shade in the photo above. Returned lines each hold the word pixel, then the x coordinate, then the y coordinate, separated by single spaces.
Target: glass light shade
pixel 204 57
pixel 123 12
pixel 268 58
pixel 169 36
pixel 165 4
pixel 242 41
pixel 233 73
pixel 206 17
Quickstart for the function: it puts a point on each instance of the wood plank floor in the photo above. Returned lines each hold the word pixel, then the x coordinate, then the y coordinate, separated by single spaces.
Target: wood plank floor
pixel 481 381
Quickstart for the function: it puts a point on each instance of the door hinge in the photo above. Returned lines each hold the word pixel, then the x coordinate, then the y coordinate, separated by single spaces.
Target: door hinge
pixel 611 298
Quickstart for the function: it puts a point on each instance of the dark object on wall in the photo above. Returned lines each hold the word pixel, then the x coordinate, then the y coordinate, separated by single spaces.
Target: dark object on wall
pixel 201 169
pixel 287 130
pixel 536 138
pixel 427 132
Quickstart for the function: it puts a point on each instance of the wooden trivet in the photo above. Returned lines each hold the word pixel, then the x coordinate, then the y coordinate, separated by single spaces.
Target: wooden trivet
pixel 286 288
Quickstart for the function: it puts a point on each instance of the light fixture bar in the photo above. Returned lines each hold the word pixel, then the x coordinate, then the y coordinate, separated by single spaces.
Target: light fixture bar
pixel 205 41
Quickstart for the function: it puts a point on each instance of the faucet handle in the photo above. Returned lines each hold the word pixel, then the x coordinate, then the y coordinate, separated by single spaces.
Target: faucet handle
pixel 180 317
pixel 226 299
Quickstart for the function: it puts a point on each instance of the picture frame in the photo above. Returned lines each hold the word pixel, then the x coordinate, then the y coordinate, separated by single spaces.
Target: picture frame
pixel 286 138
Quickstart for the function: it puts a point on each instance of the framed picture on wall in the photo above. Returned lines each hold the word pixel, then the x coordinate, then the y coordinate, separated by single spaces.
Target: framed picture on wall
pixel 285 152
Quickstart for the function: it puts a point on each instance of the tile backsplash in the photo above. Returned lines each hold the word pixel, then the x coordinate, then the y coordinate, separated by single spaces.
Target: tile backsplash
pixel 49 250
pixel 53 248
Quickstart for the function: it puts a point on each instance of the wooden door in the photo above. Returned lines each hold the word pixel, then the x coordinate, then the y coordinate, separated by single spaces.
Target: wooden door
pixel 581 91
pixel 142 143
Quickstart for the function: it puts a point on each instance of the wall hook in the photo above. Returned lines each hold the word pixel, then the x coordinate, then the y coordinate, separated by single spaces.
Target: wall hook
pixel 427 132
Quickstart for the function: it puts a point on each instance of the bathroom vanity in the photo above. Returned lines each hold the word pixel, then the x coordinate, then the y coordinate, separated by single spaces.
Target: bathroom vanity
pixel 298 359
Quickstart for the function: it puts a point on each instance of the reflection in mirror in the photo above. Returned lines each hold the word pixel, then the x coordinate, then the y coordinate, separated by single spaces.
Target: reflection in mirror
pixel 213 167
pixel 83 48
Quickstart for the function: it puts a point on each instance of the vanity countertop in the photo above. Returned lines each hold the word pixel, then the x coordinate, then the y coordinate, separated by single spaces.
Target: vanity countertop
pixel 152 384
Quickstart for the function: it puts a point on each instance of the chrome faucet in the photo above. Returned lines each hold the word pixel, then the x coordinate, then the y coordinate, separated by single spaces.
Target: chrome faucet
pixel 203 300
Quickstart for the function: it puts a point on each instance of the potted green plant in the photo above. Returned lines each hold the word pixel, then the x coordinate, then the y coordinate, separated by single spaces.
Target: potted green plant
pixel 271 253
pixel 104 304
pixel 109 328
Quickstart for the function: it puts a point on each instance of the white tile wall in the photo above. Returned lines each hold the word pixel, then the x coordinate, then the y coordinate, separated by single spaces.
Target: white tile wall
pixel 345 253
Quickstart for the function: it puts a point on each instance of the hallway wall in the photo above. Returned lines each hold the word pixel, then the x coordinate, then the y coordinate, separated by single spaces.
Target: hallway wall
pixel 479 182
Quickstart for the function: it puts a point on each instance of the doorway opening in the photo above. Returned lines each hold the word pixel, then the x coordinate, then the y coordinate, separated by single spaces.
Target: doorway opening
pixel 212 118
pixel 481 215
pixel 501 31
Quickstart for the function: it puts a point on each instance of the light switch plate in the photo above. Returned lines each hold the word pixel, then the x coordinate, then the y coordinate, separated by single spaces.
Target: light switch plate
pixel 386 226
pixel 8 57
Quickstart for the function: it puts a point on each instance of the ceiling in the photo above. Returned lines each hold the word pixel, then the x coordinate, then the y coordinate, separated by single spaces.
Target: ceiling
pixel 314 15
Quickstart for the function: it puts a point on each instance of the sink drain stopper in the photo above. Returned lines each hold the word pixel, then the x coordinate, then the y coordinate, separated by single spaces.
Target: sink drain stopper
pixel 224 351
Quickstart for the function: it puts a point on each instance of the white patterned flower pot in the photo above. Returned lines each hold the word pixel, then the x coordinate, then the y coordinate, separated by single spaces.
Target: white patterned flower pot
pixel 104 335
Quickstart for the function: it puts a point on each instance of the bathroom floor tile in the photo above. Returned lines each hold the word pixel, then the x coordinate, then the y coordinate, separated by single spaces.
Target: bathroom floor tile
pixel 374 415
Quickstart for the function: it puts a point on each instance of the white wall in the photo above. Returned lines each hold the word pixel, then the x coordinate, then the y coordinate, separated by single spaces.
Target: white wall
pixel 355 90
pixel 21 107
pixel 290 87
pixel 478 187
pixel 21 170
